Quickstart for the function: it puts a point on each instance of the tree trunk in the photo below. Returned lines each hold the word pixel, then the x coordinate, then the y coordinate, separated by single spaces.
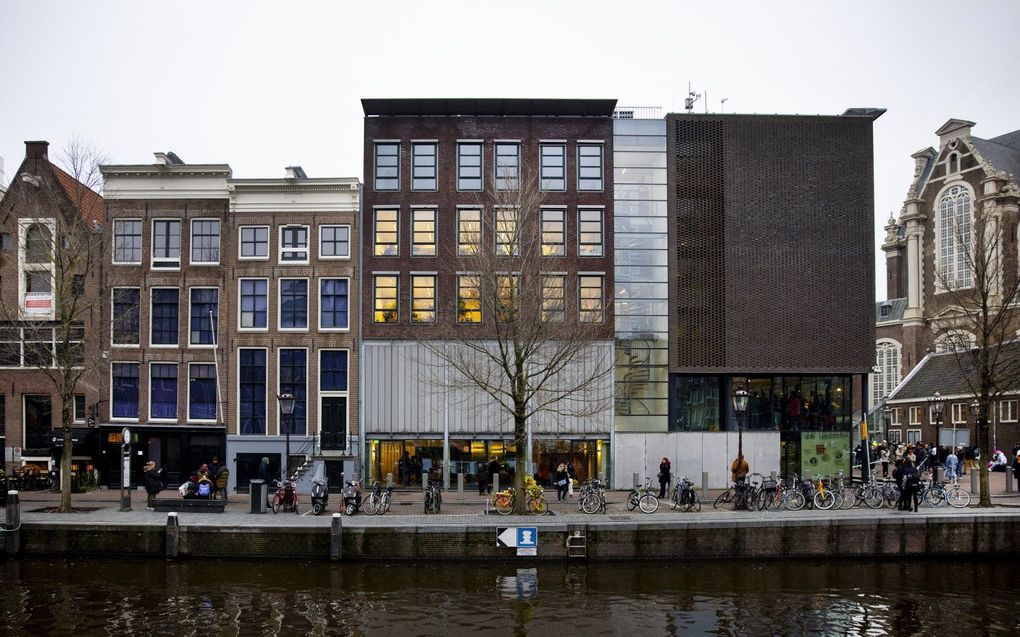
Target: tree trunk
pixel 66 454
pixel 986 455
pixel 521 454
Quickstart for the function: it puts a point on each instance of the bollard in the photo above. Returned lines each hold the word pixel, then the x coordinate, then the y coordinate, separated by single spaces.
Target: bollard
pixel 12 534
pixel 495 483
pixel 1009 480
pixel 460 483
pixel 424 481
pixel 173 536
pixel 336 538
pixel 974 480
pixel 637 479
pixel 704 484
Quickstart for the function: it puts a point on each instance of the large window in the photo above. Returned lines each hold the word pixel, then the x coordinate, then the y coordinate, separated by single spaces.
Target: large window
pixel 387 166
pixel 887 360
pixel 591 298
pixel 423 232
pixel 507 239
pixel 385 234
pixel 38 268
pixel 589 233
pixel 205 241
pixel 333 304
pixel 293 304
pixel 254 242
pixel 36 346
pixel 469 231
pixel 423 298
pixel 202 392
pixel 507 297
pixel 127 241
pixel 954 239
pixel 385 298
pixel 469 166
pixel 126 316
pixel 508 166
pixel 163 391
pixel 469 299
pixel 554 288
pixel 293 380
pixel 205 310
pixel 294 244
pixel 164 316
pixel 423 166
pixel 251 391
pixel 253 310
pixel 589 166
pixel 333 398
pixel 166 244
pixel 124 390
pixel 333 370
pixel 553 166
pixel 334 242
pixel 553 232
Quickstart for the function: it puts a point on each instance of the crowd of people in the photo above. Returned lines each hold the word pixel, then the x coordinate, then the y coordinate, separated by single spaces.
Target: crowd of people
pixel 209 482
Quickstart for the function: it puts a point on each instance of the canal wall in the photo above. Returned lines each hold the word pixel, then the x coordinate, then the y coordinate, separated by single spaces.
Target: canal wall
pixel 777 538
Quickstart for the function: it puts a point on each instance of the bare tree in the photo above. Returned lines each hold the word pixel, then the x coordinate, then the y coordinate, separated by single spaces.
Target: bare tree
pixel 58 327
pixel 521 338
pixel 979 299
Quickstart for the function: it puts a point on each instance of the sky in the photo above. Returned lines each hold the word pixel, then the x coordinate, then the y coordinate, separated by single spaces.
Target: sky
pixel 264 85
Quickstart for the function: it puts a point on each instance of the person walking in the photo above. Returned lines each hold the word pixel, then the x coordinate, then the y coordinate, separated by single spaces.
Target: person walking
pixel 664 476
pixel 482 476
pixel 561 477
pixel 1016 470
pixel 952 466
pixel 911 487
pixel 153 483
pixel 883 455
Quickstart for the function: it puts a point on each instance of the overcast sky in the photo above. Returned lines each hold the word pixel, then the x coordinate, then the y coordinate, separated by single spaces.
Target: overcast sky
pixel 265 85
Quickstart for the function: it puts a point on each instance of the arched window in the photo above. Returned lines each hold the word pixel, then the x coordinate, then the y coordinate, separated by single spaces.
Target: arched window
pixel 887 361
pixel 38 244
pixel 953 164
pixel 954 238
pixel 954 341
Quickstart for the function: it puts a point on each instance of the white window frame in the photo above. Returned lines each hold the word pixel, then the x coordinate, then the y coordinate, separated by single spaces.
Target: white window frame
pixel 958 412
pixel 881 383
pixel 113 323
pixel 269 311
pixel 240 242
pixel 345 257
pixel 140 410
pixel 895 436
pixel 1010 413
pixel 279 304
pixel 74 409
pixel 894 417
pixel 152 291
pixel 332 393
pixel 216 400
pixel 276 389
pixel 915 415
pixel 154 262
pixel 318 287
pixel 307 249
pixel 24 225
pixel 191 241
pixel 602 232
pixel 113 238
pixel 956 281
pixel 177 393
pixel 913 435
pixel 237 391
pixel 219 318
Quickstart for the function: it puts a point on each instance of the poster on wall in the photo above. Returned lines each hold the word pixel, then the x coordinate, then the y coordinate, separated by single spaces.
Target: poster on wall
pixel 38 303
pixel 824 453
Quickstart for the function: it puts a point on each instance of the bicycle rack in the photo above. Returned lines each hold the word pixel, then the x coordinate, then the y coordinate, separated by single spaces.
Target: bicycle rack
pixel 577 543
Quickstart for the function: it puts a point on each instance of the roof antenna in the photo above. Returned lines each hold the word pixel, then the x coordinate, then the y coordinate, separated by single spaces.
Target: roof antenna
pixel 691 98
pixel 722 104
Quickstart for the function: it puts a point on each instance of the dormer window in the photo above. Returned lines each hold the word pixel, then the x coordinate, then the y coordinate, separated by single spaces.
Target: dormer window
pixel 953 163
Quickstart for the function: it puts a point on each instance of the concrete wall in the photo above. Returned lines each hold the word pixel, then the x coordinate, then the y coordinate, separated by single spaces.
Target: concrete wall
pixel 691 454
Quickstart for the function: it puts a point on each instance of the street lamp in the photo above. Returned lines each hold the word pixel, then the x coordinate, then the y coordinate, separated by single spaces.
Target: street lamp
pixel 975 412
pixel 887 419
pixel 287 409
pixel 740 398
pixel 937 404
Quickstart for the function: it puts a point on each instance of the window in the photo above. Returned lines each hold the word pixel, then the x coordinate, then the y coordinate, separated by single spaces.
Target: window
pixel 254 242
pixel 589 166
pixel 590 294
pixel 333 304
pixel 507 297
pixel 589 233
pixel 126 313
pixel 38 267
pixel 124 390
pixel 507 241
pixel 913 436
pixel 469 166
pixel 385 294
pixel 469 299
pixel 164 316
pixel 79 409
pixel 915 415
pixel 205 241
pixel 163 391
pixel 553 166
pixel 333 370
pixel 895 436
pixel 959 413
pixel 36 346
pixel 293 304
pixel 202 391
pixel 293 380
pixel 954 239
pixel 423 232
pixel 553 233
pixel 39 246
pixel 387 166
pixel 554 288
pixel 127 241
pixel 204 315
pixel 333 414
pixel 334 242
pixel 423 298
pixel 954 341
pixel 887 359
pixel 469 231
pixel 894 417
pixel 1007 411
pixel 253 309
pixel 423 166
pixel 166 244
pixel 385 233
pixel 508 166
pixel 294 244
pixel 252 391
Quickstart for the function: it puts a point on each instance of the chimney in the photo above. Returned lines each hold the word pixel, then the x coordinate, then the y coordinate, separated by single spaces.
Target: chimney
pixel 296 172
pixel 36 150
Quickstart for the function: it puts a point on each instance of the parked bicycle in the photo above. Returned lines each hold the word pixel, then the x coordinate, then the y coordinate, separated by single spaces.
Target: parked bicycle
pixel 736 495
pixel 592 497
pixel 643 498
pixel 941 493
pixel 503 501
pixel 286 498
pixel 378 502
pixel 684 497
pixel 433 497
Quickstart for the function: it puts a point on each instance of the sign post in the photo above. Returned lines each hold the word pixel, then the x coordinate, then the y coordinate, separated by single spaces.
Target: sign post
pixel 125 476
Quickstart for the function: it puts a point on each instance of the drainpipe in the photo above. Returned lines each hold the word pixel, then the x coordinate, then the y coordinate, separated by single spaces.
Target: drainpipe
pixel 360 471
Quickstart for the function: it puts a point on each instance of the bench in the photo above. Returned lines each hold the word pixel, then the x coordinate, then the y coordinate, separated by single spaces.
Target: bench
pixel 190 505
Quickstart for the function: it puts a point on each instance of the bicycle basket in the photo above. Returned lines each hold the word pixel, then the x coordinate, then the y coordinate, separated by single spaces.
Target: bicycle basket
pixel 769 484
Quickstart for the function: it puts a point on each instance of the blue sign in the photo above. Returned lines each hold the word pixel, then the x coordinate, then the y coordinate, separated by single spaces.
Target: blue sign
pixel 527 537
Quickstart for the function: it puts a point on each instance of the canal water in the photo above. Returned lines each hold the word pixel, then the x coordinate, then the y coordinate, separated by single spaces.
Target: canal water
pixel 152 597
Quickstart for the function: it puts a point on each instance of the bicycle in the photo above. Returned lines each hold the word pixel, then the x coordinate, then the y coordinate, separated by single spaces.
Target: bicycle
pixel 286 498
pixel 846 496
pixel 736 494
pixel 503 501
pixel 592 498
pixel 433 497
pixel 643 498
pixel 378 502
pixel 684 496
pixel 824 498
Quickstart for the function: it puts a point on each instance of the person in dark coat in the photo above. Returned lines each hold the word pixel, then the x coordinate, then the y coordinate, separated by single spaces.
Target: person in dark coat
pixel 153 484
pixel 493 472
pixel 911 490
pixel 482 476
pixel 1016 470
pixel 664 476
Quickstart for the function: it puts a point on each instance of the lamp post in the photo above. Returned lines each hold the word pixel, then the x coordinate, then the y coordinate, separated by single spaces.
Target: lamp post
pixel 937 404
pixel 975 412
pixel 740 398
pixel 887 420
pixel 287 410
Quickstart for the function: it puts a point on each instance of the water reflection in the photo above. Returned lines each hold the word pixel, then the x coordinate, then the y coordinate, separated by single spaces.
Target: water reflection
pixel 722 598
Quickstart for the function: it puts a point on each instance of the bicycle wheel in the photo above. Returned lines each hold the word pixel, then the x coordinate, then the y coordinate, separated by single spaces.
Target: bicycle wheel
pixel 590 503
pixel 693 502
pixel 503 504
pixel 632 500
pixel 824 500
pixel 439 501
pixel 276 505
pixel 384 506
pixel 958 497
pixel 674 500
pixel 794 500
pixel 371 504
pixel 724 498
pixel 849 499
pixel 933 497
pixel 759 500
pixel 648 503
pixel 538 505
pixel 873 498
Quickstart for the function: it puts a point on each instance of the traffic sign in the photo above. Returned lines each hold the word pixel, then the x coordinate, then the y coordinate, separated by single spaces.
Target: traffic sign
pixel 527 537
pixel 506 537
pixel 523 538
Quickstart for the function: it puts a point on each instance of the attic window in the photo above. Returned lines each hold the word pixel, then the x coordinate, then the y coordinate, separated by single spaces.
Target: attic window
pixel 884 309
pixel 953 163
